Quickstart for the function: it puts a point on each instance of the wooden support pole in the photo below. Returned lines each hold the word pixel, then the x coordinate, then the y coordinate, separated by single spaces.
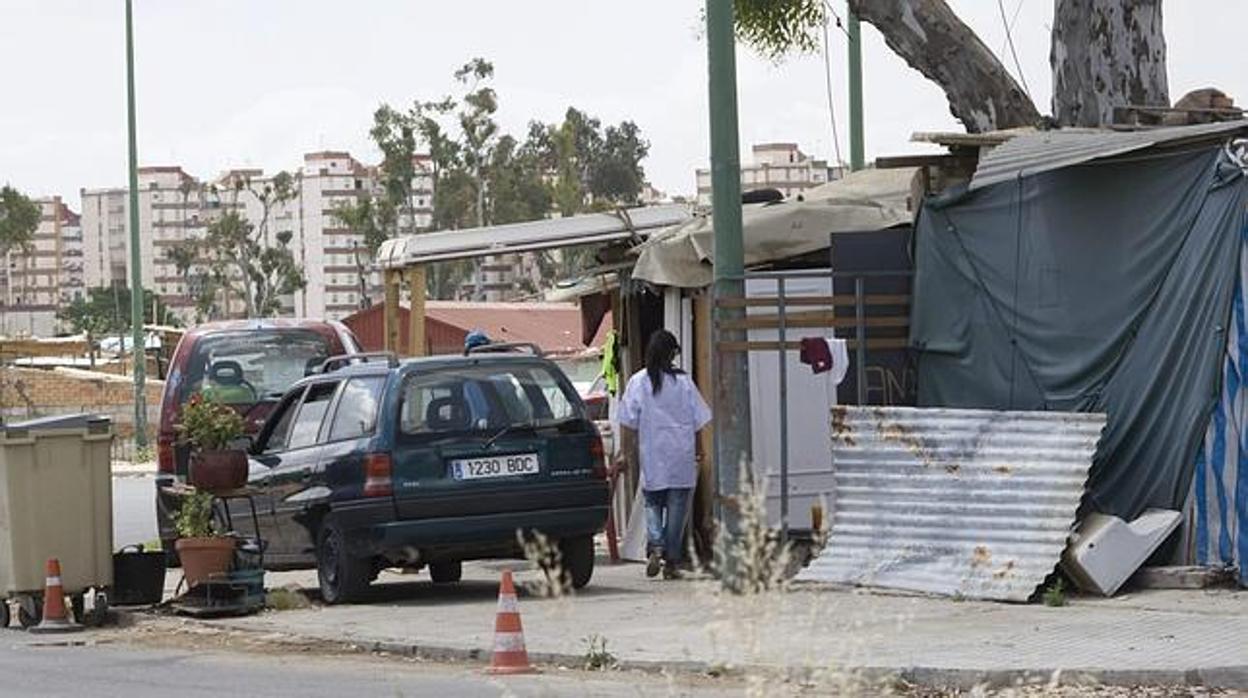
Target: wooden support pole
pixel 416 345
pixel 391 279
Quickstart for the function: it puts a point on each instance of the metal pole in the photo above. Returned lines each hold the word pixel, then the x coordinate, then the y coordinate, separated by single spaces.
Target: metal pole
pixel 732 384
pixel 136 260
pixel 857 159
pixel 784 416
pixel 861 336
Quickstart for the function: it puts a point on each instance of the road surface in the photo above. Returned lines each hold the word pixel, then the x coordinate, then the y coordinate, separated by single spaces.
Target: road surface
pixel 129 671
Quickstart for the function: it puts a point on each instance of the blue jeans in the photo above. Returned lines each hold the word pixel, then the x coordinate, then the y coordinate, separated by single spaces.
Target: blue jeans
pixel 665 522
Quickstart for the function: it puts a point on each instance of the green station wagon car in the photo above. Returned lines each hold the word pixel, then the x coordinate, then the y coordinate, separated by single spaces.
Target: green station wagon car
pixel 428 462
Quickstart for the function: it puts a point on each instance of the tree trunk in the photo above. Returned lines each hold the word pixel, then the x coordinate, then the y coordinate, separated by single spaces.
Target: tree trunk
pixel 1106 54
pixel 931 38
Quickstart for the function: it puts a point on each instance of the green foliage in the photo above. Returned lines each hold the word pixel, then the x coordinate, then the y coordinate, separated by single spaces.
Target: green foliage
pixel 482 176
pixel 209 425
pixel 105 311
pixel 19 218
pixel 597 657
pixel 257 265
pixel 194 518
pixel 1055 593
pixel 374 219
pixel 776 28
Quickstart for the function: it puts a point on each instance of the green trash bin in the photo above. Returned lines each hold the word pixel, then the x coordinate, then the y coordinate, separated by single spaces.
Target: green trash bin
pixel 56 501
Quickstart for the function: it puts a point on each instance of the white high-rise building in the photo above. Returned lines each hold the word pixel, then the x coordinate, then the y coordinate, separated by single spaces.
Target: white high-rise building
pixel 35 282
pixel 780 166
pixel 174 207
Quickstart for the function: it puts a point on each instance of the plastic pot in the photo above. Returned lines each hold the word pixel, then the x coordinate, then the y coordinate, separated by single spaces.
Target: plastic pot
pixel 205 558
pixel 218 471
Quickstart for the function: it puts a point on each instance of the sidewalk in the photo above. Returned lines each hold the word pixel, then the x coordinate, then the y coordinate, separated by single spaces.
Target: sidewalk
pixel 1157 637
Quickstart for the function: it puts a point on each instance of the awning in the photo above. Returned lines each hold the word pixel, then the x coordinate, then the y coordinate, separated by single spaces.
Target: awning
pixel 469 243
pixel 864 201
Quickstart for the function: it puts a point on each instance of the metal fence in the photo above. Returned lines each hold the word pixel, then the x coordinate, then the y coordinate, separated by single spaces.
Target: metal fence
pixel 878 322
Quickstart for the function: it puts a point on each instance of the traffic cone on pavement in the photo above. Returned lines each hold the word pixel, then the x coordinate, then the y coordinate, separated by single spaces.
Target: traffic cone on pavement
pixel 510 656
pixel 55 616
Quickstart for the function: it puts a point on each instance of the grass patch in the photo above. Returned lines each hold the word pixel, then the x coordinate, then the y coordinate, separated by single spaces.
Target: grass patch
pixel 286 599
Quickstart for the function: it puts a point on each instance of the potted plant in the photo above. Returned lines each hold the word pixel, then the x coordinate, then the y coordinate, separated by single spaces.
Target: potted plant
pixel 204 552
pixel 211 428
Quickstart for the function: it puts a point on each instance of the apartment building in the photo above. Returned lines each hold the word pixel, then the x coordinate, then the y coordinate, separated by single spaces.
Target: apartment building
pixel 781 166
pixel 174 207
pixel 49 273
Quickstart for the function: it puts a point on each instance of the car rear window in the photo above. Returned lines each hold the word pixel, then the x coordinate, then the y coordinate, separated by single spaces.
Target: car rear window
pixel 486 398
pixel 245 367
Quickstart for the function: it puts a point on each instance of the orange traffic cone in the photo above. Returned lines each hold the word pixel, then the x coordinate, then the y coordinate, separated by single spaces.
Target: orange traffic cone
pixel 55 617
pixel 510 656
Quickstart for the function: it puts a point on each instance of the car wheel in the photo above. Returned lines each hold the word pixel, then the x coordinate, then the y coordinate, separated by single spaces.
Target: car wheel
pixel 343 577
pixel 446 572
pixel 578 560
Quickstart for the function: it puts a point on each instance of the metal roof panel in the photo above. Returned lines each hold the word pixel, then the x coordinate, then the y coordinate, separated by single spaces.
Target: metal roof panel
pixel 967 503
pixel 445 245
pixel 1035 152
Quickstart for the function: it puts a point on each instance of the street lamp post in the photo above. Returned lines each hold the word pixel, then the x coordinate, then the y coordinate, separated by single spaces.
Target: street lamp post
pixel 731 369
pixel 136 260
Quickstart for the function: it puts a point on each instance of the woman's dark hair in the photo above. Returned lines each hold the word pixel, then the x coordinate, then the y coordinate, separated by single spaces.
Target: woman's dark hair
pixel 660 354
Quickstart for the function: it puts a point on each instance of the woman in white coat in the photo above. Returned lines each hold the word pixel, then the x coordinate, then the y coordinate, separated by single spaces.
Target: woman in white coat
pixel 662 411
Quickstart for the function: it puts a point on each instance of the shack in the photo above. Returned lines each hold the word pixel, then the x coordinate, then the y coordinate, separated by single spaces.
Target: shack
pixel 1103 271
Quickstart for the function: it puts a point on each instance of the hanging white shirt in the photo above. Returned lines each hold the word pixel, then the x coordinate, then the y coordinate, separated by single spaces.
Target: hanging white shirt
pixel 666 425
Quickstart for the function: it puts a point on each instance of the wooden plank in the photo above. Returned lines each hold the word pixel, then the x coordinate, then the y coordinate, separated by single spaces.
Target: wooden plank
pixel 840 301
pixel 772 322
pixel 934 159
pixel 391 280
pixel 417 345
pixel 852 344
pixel 704 505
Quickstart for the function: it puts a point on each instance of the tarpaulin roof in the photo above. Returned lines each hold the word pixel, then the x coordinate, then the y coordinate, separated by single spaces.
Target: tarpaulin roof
pixel 863 201
pixel 1102 288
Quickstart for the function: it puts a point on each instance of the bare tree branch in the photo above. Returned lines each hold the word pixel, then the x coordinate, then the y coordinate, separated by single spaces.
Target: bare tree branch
pixel 930 37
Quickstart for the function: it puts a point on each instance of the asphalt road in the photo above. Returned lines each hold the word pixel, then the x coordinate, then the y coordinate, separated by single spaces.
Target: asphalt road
pixel 135 672
pixel 134 510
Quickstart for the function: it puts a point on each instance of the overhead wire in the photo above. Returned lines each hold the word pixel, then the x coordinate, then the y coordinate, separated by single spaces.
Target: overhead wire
pixel 1018 10
pixel 840 24
pixel 827 73
pixel 1009 38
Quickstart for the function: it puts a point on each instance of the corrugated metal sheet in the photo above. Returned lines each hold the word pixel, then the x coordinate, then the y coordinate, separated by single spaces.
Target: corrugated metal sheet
pixel 527 237
pixel 1043 151
pixel 969 503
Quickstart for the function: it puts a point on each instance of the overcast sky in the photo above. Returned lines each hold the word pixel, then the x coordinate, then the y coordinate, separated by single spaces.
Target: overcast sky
pixel 227 83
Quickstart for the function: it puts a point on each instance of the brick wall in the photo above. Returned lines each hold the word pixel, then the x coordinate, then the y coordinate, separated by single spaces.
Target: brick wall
pixel 26 393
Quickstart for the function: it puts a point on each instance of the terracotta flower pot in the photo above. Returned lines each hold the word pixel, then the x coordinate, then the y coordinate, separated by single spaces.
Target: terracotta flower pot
pixel 204 558
pixel 218 471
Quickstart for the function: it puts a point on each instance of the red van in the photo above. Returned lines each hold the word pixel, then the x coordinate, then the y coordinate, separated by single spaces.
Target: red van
pixel 248 364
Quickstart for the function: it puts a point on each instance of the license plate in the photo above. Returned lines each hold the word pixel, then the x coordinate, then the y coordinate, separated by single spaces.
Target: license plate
pixel 494 466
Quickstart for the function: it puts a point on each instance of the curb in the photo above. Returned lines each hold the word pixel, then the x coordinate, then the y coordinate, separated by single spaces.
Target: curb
pixel 1228 677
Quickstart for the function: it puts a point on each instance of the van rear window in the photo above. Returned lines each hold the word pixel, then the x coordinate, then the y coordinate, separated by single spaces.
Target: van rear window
pixel 245 367
pixel 486 398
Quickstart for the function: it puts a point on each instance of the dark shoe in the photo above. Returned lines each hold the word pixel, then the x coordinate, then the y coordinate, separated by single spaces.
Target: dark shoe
pixel 670 572
pixel 654 564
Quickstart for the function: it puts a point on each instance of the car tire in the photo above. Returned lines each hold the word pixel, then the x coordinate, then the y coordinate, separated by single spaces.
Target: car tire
pixel 446 572
pixel 343 577
pixel 578 560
